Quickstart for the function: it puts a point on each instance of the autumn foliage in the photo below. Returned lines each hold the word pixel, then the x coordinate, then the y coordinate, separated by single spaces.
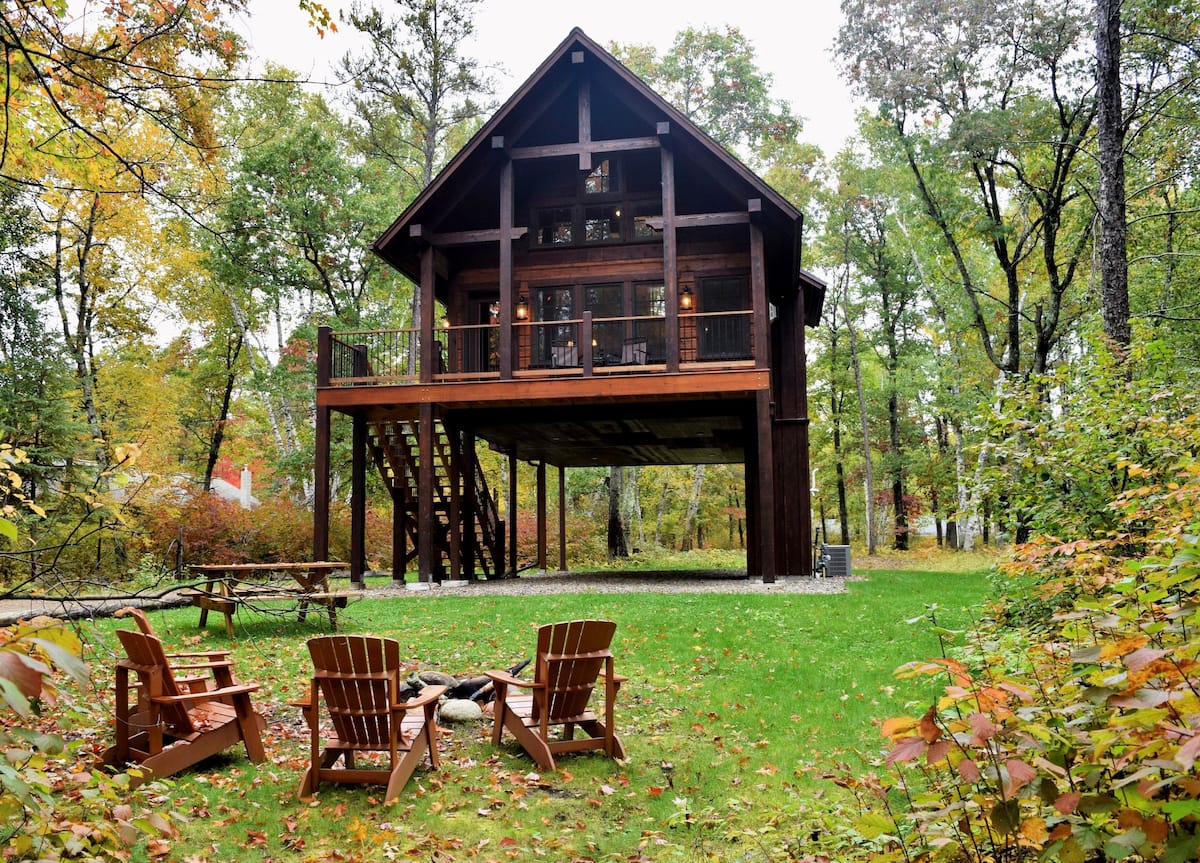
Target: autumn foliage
pixel 214 530
pixel 1074 737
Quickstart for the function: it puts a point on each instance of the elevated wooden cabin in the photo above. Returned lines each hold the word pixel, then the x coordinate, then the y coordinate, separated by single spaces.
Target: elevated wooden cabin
pixel 618 290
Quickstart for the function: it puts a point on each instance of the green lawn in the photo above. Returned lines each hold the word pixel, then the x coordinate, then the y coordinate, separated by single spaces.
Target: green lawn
pixel 734 704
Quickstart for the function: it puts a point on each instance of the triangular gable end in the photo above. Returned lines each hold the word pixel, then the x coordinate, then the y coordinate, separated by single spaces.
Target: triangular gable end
pixel 541 118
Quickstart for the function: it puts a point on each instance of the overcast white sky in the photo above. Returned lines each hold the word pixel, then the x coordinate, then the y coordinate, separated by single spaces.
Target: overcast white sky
pixel 792 40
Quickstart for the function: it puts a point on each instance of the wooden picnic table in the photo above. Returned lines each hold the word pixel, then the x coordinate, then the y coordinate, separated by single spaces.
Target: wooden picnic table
pixel 228 586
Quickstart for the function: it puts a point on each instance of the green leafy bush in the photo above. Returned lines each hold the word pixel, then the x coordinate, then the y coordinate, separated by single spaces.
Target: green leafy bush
pixel 53 804
pixel 1080 744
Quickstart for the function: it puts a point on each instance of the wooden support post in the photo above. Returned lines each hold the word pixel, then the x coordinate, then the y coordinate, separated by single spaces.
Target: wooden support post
pixel 426 517
pixel 428 277
pixel 508 303
pixel 321 484
pixel 562 519
pixel 758 293
pixel 750 476
pixel 358 499
pixel 541 515
pixel 399 535
pixel 470 505
pixel 512 514
pixel 455 523
pixel 670 258
pixel 765 490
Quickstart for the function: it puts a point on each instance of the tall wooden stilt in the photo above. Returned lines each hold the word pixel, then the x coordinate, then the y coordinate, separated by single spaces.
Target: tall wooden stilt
pixel 541 516
pixel 562 519
pixel 750 474
pixel 321 485
pixel 321 449
pixel 358 500
pixel 456 526
pixel 426 517
pixel 399 535
pixel 512 514
pixel 470 505
pixel 765 491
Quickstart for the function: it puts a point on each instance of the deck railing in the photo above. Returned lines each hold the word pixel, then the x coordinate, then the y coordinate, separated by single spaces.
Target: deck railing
pixel 587 345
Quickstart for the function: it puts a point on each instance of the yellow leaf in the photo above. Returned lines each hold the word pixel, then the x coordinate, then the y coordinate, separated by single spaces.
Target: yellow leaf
pixel 1034 829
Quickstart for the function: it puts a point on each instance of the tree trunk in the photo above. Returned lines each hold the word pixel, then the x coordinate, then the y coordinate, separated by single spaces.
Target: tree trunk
pixel 617 544
pixel 869 479
pixel 79 321
pixel 1110 139
pixel 964 540
pixel 664 498
pixel 899 511
pixel 636 528
pixel 693 507
pixel 233 351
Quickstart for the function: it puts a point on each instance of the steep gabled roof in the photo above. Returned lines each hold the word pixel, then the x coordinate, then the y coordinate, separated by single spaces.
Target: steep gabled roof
pixel 473 163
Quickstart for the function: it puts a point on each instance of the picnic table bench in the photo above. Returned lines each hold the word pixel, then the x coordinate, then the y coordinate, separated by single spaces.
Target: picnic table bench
pixel 230 586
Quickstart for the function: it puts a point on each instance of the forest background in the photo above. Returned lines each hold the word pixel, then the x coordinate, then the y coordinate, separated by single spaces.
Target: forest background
pixel 1009 335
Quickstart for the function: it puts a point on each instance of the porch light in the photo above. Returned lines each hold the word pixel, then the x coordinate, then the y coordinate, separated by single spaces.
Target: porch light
pixel 685 299
pixel 523 308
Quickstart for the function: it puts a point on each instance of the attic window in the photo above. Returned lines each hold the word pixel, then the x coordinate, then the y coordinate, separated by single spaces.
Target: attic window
pixel 599 180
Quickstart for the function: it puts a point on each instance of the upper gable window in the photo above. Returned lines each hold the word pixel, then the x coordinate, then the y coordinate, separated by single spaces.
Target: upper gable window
pixel 599 179
pixel 602 209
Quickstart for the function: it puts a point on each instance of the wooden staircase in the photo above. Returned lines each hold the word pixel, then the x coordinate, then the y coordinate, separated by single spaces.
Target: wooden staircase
pixel 394 447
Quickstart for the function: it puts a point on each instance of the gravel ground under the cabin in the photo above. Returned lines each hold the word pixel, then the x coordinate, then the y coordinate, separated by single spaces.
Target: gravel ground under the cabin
pixel 534 583
pixel 529 584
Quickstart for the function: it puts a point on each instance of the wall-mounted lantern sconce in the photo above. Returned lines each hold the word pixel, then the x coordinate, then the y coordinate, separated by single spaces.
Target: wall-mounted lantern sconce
pixel 522 309
pixel 685 299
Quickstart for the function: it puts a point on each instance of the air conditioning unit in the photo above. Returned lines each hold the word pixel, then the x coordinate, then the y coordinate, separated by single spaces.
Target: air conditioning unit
pixel 836 560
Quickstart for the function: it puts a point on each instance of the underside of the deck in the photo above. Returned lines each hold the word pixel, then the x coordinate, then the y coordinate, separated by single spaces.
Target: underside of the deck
pixel 642 420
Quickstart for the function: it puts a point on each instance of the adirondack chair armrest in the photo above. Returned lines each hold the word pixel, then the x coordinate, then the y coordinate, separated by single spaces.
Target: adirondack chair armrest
pixel 199 666
pixel 595 654
pixel 428 694
pixel 616 678
pixel 505 677
pixel 241 689
pixel 210 655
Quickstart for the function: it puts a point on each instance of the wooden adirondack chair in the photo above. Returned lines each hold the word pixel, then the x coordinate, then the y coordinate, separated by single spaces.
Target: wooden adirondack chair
pixel 171 722
pixel 571 658
pixel 357 678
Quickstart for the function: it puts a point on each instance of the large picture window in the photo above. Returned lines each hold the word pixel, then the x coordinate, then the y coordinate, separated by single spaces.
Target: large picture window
pixel 627 324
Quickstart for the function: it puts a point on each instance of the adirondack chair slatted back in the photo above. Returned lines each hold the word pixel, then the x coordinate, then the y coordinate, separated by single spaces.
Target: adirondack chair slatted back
pixel 570 658
pixel 358 679
pixel 146 657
